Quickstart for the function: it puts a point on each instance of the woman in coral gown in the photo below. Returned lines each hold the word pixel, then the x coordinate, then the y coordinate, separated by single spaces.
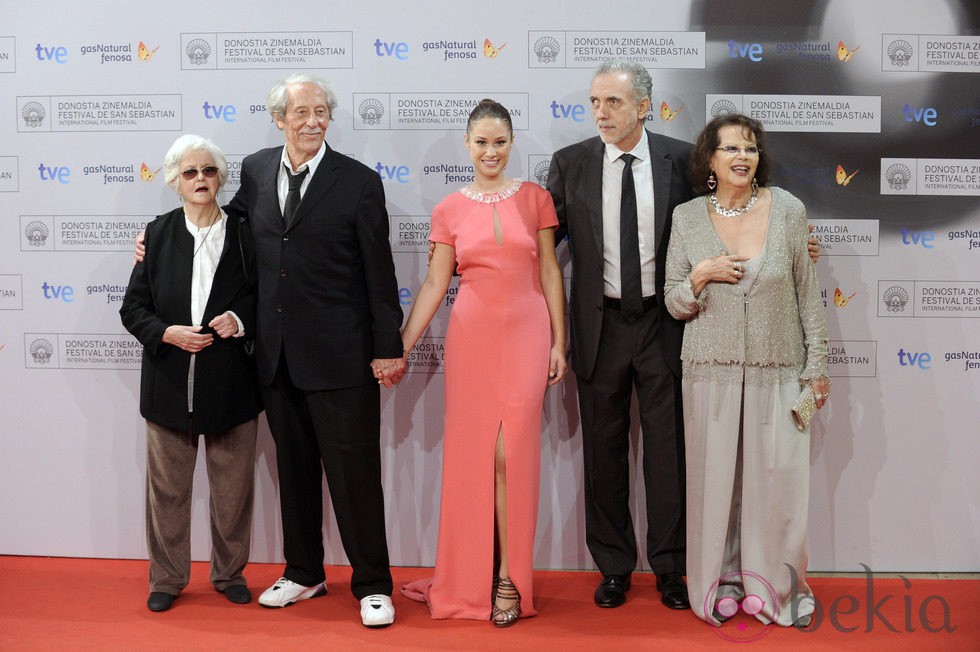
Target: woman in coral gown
pixel 504 344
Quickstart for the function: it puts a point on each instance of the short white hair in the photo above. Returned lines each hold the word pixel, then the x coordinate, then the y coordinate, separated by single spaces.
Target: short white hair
pixel 192 143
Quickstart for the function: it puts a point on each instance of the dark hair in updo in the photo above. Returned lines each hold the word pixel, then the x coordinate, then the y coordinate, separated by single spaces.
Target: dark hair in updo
pixel 488 108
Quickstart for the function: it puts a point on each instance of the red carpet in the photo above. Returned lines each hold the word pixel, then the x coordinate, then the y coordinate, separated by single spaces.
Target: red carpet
pixel 83 604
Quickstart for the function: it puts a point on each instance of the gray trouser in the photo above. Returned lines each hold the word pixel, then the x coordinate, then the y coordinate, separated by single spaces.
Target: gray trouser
pixel 170 460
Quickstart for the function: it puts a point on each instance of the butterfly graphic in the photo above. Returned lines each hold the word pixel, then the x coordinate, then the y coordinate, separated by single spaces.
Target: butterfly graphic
pixel 666 114
pixel 843 178
pixel 144 52
pixel 145 173
pixel 840 300
pixel 489 51
pixel 843 54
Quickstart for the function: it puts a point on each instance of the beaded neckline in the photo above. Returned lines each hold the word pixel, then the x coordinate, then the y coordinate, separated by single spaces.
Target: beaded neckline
pixel 493 197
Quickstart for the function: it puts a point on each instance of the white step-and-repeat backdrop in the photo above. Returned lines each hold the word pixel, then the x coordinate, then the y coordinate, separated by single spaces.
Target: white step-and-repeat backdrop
pixel 873 110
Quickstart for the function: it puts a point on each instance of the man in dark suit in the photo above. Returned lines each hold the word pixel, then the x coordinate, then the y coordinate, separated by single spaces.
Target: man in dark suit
pixel 622 336
pixel 327 336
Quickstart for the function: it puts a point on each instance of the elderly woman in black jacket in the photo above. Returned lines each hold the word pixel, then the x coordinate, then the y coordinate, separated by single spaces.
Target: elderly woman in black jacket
pixel 191 303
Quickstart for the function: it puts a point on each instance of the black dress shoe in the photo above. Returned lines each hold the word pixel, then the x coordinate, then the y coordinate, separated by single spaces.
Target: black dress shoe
pixel 612 591
pixel 160 601
pixel 673 591
pixel 238 593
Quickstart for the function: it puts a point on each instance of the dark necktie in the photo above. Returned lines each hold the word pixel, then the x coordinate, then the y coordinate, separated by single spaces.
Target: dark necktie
pixel 629 245
pixel 292 196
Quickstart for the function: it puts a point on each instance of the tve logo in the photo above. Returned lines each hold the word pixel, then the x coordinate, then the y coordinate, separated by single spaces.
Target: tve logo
pixel 927 115
pixel 397 49
pixel 922 360
pixel 59 173
pixel 404 296
pixel 65 293
pixel 399 173
pixel 575 112
pixel 56 53
pixel 923 239
pixel 750 51
pixel 226 112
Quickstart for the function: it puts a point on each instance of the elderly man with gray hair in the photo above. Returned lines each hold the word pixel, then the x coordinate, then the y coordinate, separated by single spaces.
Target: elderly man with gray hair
pixel 327 338
pixel 615 194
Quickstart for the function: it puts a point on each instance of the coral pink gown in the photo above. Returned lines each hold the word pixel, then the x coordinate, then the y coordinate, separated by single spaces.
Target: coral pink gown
pixel 496 371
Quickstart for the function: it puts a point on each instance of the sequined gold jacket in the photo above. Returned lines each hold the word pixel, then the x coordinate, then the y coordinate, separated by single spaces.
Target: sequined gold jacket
pixel 778 325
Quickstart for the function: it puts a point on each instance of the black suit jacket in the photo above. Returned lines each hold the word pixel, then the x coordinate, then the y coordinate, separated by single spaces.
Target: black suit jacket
pixel 575 183
pixel 328 296
pixel 226 393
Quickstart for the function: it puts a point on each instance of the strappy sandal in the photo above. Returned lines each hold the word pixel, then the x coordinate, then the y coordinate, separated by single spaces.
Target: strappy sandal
pixel 506 617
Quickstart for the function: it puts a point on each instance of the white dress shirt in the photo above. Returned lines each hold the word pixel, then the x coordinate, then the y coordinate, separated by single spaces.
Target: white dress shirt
pixel 208 243
pixel 283 178
pixel 612 181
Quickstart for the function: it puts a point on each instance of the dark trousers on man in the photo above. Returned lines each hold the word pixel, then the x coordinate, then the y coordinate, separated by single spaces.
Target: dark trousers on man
pixel 337 432
pixel 630 356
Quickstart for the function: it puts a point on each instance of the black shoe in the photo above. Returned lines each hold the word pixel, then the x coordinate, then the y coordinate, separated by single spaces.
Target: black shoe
pixel 612 591
pixel 673 591
pixel 238 593
pixel 160 601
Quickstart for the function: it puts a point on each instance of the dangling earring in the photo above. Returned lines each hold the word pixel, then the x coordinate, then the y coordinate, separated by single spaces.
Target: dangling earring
pixel 712 183
pixel 755 185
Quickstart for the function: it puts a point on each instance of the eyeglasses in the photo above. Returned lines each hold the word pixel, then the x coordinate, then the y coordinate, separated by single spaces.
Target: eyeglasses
pixel 732 150
pixel 209 172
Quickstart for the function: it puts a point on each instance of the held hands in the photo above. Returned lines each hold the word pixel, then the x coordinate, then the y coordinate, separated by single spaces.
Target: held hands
pixel 187 338
pixel 558 366
pixel 224 325
pixel 388 371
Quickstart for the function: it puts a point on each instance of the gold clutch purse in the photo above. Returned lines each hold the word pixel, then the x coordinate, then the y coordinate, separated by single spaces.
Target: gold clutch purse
pixel 804 408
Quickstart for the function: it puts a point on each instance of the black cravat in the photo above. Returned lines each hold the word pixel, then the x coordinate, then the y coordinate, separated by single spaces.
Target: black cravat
pixel 629 245
pixel 292 197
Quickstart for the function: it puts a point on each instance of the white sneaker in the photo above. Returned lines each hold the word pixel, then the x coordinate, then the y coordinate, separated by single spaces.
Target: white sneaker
pixel 285 592
pixel 377 611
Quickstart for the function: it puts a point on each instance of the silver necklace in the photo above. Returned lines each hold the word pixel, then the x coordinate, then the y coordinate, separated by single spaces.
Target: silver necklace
pixel 733 212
